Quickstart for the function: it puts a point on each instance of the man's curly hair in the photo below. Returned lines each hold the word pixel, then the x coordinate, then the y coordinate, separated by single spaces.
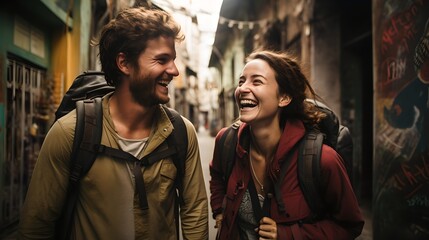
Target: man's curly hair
pixel 128 33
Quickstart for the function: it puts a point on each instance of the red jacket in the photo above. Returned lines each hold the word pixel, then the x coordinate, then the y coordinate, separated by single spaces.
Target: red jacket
pixel 346 221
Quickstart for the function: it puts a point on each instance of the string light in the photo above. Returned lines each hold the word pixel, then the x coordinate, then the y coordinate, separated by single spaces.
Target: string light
pixel 230 24
pixel 251 25
pixel 242 24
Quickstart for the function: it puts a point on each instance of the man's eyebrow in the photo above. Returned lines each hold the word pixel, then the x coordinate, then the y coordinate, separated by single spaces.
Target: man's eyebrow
pixel 165 55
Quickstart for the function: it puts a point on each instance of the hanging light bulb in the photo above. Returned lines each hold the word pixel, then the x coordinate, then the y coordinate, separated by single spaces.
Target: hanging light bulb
pixel 251 24
pixel 222 20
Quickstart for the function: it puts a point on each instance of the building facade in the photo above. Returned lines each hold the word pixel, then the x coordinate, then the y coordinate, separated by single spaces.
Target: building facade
pixel 44 45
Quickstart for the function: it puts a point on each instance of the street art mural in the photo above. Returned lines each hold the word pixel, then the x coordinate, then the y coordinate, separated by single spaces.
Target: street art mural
pixel 401 160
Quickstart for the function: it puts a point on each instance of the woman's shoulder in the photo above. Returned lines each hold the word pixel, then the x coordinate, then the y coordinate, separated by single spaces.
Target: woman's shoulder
pixel 236 127
pixel 329 157
pixel 221 132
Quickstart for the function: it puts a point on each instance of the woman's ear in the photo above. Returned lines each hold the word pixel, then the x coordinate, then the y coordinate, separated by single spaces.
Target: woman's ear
pixel 122 63
pixel 284 101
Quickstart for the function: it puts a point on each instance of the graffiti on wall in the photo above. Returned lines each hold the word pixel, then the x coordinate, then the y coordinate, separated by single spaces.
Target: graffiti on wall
pixel 401 164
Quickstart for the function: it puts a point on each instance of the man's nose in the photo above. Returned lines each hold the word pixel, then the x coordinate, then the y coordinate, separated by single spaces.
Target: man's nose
pixel 172 70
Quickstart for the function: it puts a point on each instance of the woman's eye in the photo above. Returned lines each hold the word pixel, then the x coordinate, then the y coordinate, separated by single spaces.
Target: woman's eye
pixel 257 82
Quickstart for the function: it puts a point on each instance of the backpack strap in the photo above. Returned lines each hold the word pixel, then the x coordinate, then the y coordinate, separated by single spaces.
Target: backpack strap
pixel 177 143
pixel 309 153
pixel 258 211
pixel 282 174
pixel 228 143
pixel 89 135
pixel 87 132
pixel 178 139
pixel 137 163
pixel 86 147
pixel 309 171
pixel 345 149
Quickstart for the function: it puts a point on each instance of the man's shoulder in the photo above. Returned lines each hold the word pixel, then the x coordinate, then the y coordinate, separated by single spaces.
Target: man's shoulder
pixel 189 125
pixel 68 121
pixel 178 117
pixel 61 132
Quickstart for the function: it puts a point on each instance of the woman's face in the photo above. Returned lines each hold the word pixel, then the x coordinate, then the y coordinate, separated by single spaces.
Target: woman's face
pixel 257 93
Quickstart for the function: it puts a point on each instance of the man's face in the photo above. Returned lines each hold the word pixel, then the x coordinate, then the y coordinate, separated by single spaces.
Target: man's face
pixel 154 71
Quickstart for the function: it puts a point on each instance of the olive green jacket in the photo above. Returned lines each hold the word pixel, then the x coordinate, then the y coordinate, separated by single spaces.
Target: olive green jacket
pixel 107 207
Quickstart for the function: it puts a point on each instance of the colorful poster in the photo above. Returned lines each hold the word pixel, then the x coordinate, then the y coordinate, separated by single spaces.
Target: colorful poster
pixel 401 142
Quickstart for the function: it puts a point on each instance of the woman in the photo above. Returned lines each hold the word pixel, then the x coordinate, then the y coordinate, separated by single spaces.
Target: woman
pixel 271 97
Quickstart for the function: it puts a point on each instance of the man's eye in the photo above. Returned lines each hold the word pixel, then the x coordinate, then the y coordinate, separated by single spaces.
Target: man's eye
pixel 162 60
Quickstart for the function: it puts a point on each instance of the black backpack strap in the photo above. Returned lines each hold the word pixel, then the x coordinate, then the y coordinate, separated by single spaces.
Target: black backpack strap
pixel 258 211
pixel 309 171
pixel 177 149
pixel 179 140
pixel 225 150
pixel 147 160
pixel 345 149
pixel 92 129
pixel 227 146
pixel 88 131
pixel 278 183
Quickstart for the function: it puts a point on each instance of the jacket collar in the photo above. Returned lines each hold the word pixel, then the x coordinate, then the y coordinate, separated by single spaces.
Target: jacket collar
pixel 293 132
pixel 161 129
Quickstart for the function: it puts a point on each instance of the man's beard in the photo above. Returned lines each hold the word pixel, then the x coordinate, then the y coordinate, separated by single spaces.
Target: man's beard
pixel 143 91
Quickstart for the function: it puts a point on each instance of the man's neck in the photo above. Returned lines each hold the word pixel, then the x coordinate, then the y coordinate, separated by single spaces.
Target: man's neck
pixel 131 120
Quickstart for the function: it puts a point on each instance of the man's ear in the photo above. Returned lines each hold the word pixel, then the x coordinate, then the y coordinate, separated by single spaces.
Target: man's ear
pixel 284 101
pixel 122 63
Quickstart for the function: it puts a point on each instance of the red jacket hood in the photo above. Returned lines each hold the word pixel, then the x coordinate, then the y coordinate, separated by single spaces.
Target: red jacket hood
pixel 293 132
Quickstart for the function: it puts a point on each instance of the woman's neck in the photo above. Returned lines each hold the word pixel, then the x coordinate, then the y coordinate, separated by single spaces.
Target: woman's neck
pixel 265 140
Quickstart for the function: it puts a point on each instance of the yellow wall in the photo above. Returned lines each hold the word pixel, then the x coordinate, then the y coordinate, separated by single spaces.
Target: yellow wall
pixel 65 59
pixel 59 64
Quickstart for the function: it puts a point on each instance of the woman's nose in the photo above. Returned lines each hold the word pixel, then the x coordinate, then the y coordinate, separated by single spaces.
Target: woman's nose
pixel 244 87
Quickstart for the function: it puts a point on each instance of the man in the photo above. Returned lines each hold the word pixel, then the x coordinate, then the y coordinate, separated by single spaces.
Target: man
pixel 137 53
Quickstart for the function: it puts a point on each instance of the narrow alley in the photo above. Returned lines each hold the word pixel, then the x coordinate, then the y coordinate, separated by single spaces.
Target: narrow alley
pixel 367 60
